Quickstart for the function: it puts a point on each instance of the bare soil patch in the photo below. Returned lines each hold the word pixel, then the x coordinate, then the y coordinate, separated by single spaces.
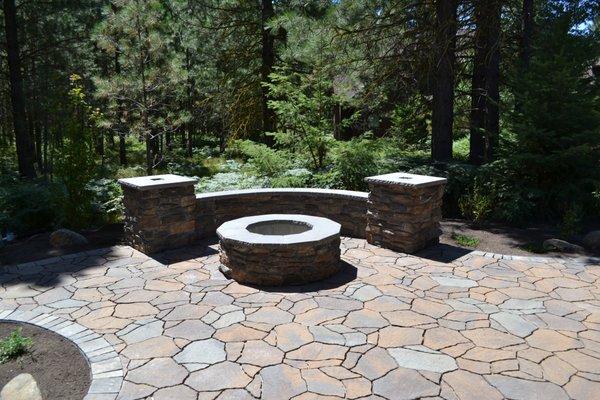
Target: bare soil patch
pixel 502 239
pixel 57 365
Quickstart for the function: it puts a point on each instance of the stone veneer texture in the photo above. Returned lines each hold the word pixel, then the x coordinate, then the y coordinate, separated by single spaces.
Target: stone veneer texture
pixel 404 218
pixel 344 207
pixel 159 219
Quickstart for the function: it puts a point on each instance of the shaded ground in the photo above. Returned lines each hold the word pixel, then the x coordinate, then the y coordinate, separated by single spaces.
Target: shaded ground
pixel 390 326
pixel 37 247
pixel 56 364
pixel 496 238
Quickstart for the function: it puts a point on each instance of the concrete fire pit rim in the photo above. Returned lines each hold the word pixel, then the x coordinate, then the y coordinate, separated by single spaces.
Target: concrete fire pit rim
pixel 236 230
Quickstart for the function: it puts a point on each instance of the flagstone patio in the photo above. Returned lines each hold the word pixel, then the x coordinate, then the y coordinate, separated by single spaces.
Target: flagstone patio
pixel 391 326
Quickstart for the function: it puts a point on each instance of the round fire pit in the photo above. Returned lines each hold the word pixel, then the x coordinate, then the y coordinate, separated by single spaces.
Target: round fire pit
pixel 279 249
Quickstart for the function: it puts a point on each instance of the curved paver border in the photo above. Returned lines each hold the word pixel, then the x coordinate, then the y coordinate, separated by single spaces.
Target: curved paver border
pixel 105 364
pixel 565 258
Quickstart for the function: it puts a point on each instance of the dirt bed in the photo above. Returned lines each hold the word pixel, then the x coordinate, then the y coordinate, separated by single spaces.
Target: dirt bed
pixel 57 365
pixel 496 238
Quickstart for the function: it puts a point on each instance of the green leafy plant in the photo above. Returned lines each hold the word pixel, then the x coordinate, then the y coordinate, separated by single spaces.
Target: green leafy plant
pixel 75 162
pixel 572 221
pixel 15 345
pixel 303 108
pixel 477 205
pixel 465 240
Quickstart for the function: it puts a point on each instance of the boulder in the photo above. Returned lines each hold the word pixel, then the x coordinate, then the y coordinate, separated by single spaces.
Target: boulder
pixel 66 238
pixel 561 245
pixel 21 387
pixel 592 240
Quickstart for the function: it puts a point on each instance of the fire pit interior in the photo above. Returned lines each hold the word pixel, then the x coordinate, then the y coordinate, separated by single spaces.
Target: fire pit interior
pixel 279 249
pixel 278 227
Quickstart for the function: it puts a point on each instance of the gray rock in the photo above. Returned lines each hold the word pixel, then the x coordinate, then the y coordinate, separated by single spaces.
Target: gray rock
pixel 21 387
pixel 592 240
pixel 561 245
pixel 66 238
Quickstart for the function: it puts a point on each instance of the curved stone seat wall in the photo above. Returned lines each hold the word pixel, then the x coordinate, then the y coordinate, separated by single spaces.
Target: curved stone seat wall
pixel 346 207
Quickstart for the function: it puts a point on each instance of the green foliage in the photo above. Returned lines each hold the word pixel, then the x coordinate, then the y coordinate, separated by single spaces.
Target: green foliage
pixel 536 248
pixel 460 149
pixel 476 205
pixel 293 178
pixel 107 199
pixel 465 240
pixel 555 149
pixel 232 176
pixel 75 164
pixel 14 346
pixel 266 161
pixel 303 106
pixel 27 207
pixel 410 122
pixel 355 160
pixel 572 219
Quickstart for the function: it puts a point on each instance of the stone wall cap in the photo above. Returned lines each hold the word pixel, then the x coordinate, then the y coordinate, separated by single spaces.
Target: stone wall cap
pixel 404 179
pixel 157 182
pixel 236 230
pixel 295 191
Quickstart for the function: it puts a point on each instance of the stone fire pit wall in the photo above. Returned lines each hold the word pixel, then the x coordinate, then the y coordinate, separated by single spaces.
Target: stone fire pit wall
pixel 160 212
pixel 404 211
pixel 275 259
pixel 345 207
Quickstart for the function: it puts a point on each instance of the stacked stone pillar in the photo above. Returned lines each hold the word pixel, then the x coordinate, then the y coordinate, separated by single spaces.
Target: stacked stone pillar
pixel 404 211
pixel 159 212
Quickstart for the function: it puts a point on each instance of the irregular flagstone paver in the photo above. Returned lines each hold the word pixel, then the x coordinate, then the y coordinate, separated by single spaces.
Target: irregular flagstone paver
pixel 319 383
pixel 190 330
pixel 281 382
pixel 454 281
pixel 552 341
pixel 158 372
pixel 514 323
pixel 207 351
pixel 226 375
pixel 422 358
pixel 522 389
pixel 404 384
pixel 469 386
pixel 259 353
pixel 292 336
pixel 483 326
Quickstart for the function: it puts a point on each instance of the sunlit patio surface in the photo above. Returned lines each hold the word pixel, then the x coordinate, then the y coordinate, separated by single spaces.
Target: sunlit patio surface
pixel 389 326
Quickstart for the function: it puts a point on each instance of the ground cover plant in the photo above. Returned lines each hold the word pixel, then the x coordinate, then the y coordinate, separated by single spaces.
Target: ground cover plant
pixel 14 346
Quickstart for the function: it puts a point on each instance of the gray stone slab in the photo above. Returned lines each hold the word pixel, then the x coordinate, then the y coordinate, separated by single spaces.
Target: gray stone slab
pixel 157 182
pixel 404 179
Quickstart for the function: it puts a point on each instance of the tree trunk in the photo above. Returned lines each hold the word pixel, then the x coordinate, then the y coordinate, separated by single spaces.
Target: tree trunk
pixel 25 151
pixel 527 33
pixel 485 95
pixel 268 60
pixel 443 91
pixel 122 150
pixel 120 128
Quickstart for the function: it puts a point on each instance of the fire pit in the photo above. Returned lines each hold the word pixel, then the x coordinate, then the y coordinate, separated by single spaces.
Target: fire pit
pixel 279 249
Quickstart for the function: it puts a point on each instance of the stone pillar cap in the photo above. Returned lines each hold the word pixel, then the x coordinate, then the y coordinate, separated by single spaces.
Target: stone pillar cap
pixel 157 182
pixel 404 179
